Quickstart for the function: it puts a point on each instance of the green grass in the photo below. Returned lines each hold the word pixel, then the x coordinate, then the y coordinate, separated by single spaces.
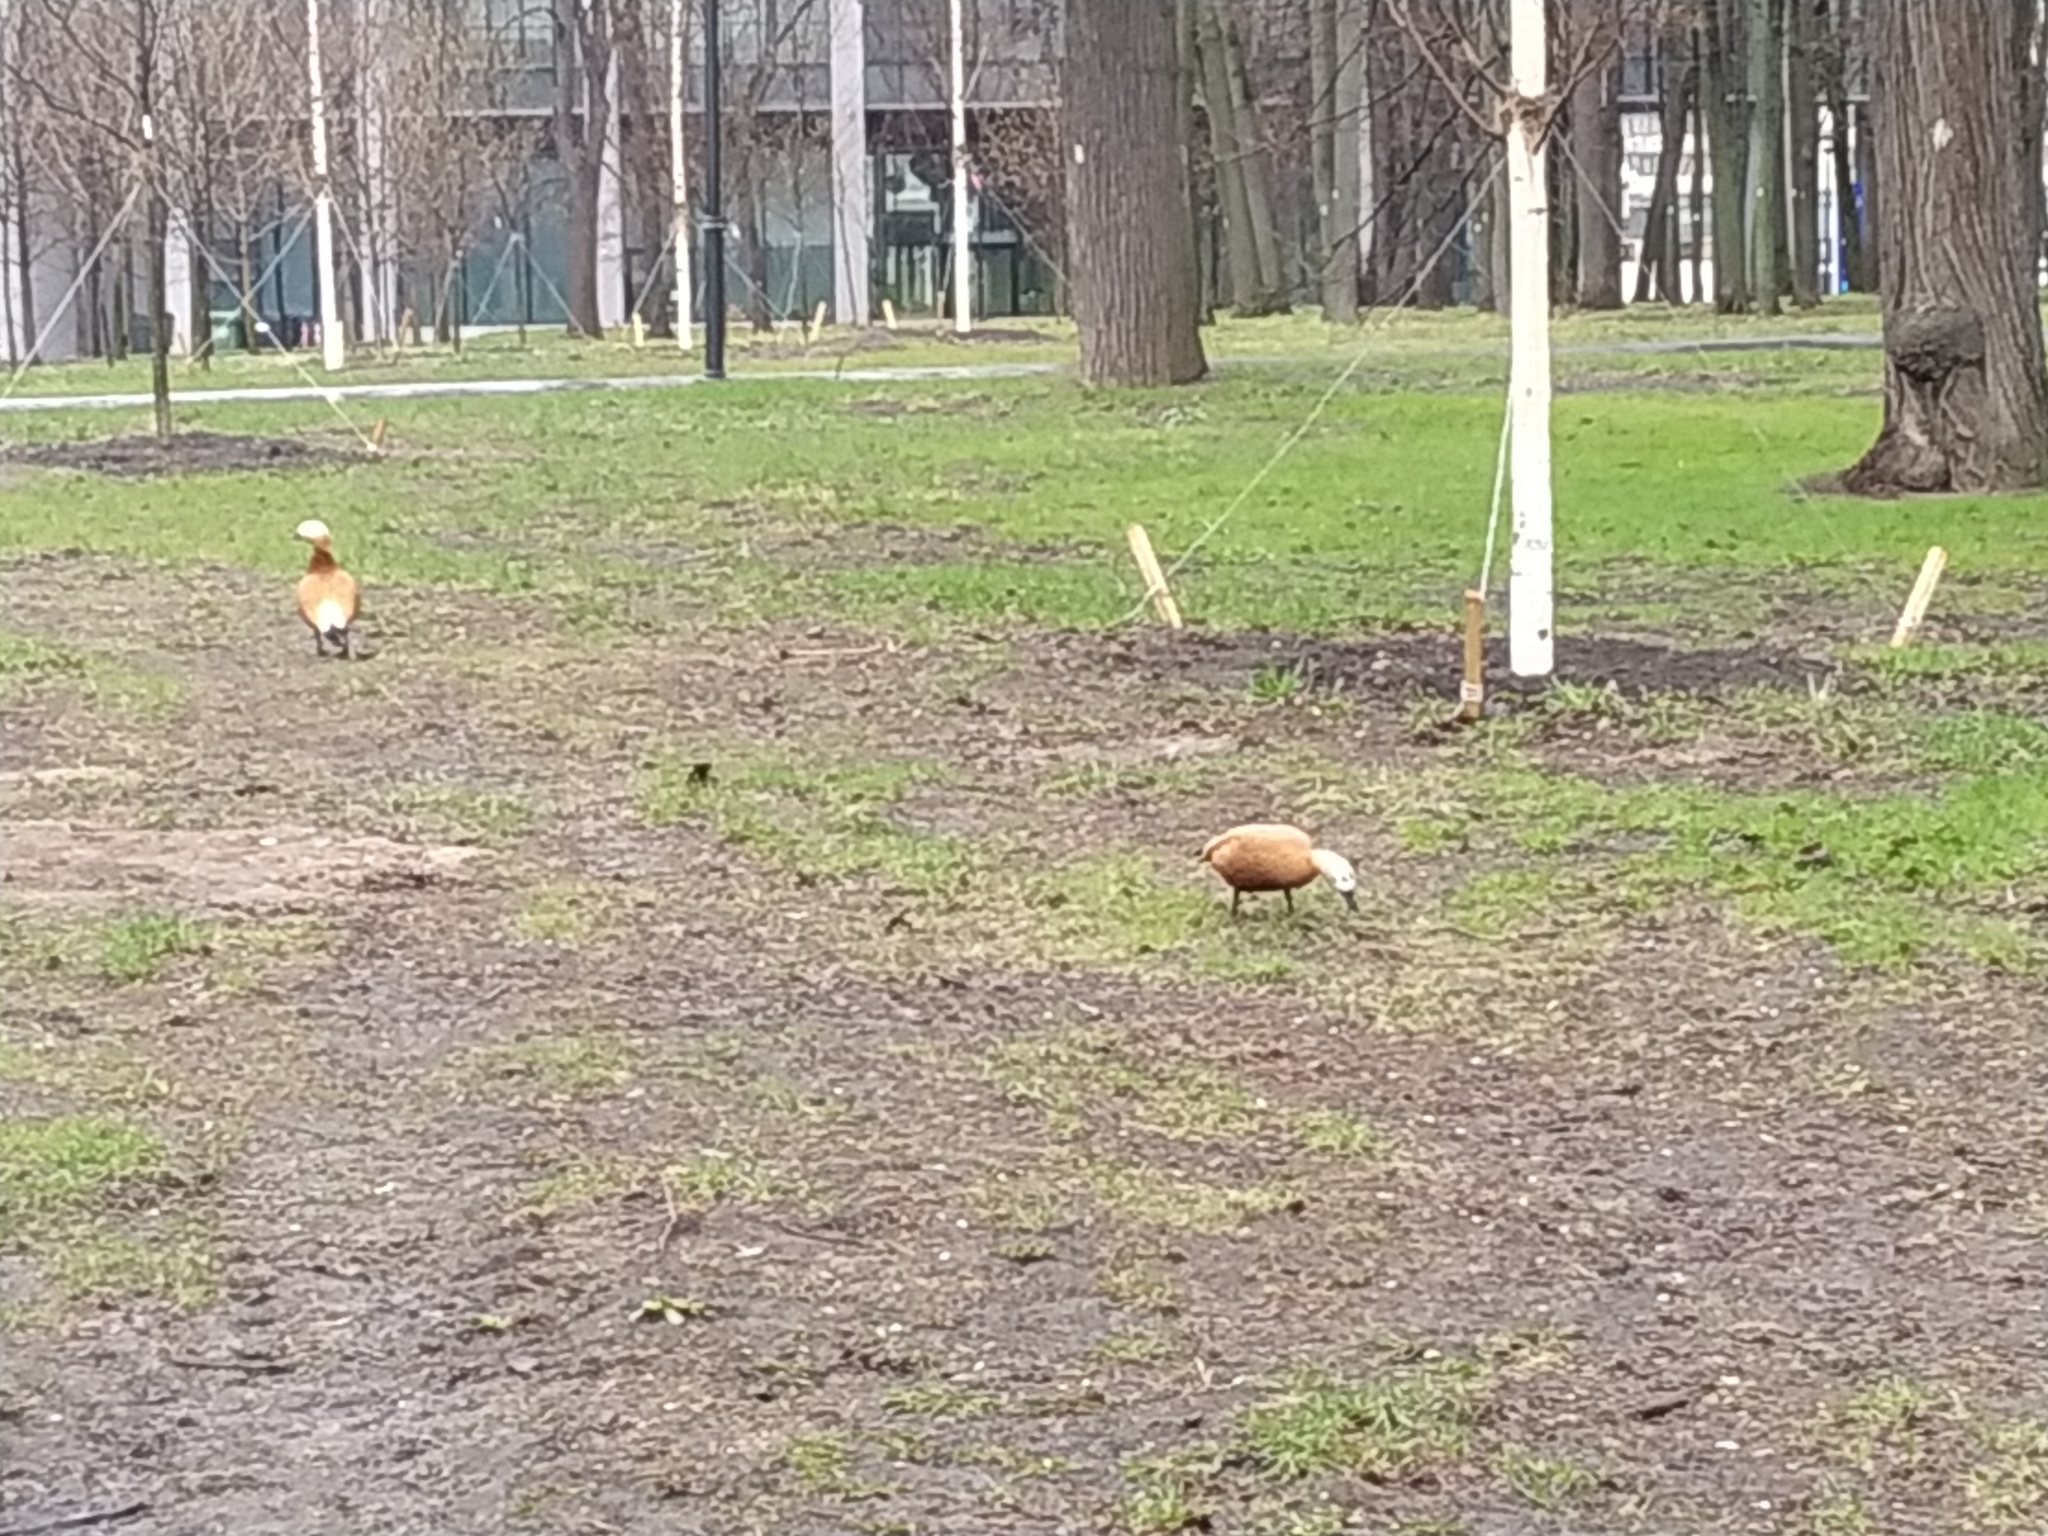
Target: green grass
pixel 1885 879
pixel 465 813
pixel 29 664
pixel 67 1185
pixel 1376 513
pixel 1385 1428
pixel 829 821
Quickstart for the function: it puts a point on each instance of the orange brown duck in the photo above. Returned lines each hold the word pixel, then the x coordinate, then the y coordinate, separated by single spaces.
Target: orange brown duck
pixel 328 598
pixel 1274 856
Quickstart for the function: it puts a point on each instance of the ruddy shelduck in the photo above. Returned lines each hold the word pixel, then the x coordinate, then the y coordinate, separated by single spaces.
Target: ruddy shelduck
pixel 327 594
pixel 1272 856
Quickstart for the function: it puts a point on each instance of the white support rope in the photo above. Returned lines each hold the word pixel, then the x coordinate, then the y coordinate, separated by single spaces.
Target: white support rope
pixel 77 282
pixel 1287 445
pixel 1500 480
pixel 333 400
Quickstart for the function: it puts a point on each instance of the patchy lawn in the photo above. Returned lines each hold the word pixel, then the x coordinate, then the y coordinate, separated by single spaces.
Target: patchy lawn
pixel 716 1022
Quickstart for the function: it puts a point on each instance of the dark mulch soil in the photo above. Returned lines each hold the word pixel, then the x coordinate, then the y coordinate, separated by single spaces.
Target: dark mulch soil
pixel 1691 1191
pixel 1429 662
pixel 187 453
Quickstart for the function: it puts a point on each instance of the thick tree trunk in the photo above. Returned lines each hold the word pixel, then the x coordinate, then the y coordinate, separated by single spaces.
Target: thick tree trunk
pixel 1966 385
pixel 1802 127
pixel 1764 200
pixel 1727 131
pixel 1596 146
pixel 1133 276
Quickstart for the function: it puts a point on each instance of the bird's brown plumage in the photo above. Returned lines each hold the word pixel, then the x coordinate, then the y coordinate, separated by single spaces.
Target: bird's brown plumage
pixel 1273 856
pixel 1262 856
pixel 325 582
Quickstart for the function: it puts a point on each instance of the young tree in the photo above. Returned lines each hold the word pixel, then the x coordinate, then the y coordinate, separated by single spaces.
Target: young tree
pixel 95 70
pixel 1134 283
pixel 1956 111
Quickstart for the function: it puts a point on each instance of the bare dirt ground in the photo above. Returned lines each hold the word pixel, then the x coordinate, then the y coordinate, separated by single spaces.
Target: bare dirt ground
pixel 885 1130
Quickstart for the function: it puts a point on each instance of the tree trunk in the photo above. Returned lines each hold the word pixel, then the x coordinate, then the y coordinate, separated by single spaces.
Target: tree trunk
pixel 1257 192
pixel 1227 155
pixel 1727 127
pixel 1866 178
pixel 1802 127
pixel 1764 200
pixel 1133 277
pixel 1596 146
pixel 580 114
pixel 1696 195
pixel 1340 210
pixel 1966 383
pixel 157 285
pixel 1186 91
pixel 199 288
pixel 1239 185
pixel 1835 74
pixel 1657 272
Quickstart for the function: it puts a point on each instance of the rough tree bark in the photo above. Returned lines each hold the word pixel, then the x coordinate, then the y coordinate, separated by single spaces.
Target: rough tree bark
pixel 1966 385
pixel 1764 199
pixel 582 108
pixel 1802 128
pixel 1133 278
pixel 1596 146
pixel 1727 130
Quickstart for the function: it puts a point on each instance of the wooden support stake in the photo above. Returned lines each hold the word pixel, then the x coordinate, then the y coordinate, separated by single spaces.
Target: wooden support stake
pixel 377 436
pixel 817 321
pixel 1155 578
pixel 406 325
pixel 1915 613
pixel 639 330
pixel 889 314
pixel 1472 691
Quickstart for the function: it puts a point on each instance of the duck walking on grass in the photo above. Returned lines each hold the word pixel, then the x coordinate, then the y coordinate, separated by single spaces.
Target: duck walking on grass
pixel 327 594
pixel 1272 856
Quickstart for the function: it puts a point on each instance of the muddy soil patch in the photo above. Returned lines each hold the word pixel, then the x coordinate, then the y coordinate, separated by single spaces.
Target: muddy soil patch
pixel 54 864
pixel 187 453
pixel 1425 664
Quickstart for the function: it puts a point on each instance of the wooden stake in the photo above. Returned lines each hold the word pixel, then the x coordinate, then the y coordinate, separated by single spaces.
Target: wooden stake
pixel 889 314
pixel 406 323
pixel 377 436
pixel 639 330
pixel 1915 613
pixel 818 321
pixel 1472 691
pixel 1155 578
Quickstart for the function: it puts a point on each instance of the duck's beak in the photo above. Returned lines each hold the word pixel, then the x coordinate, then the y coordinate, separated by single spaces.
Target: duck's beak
pixel 1350 899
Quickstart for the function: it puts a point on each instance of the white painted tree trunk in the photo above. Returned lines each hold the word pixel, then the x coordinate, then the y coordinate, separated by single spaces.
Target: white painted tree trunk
pixel 333 337
pixel 1530 641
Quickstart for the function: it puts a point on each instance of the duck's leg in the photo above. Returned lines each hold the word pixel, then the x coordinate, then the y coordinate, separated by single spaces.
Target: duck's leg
pixel 1290 899
pixel 1235 897
pixel 319 643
